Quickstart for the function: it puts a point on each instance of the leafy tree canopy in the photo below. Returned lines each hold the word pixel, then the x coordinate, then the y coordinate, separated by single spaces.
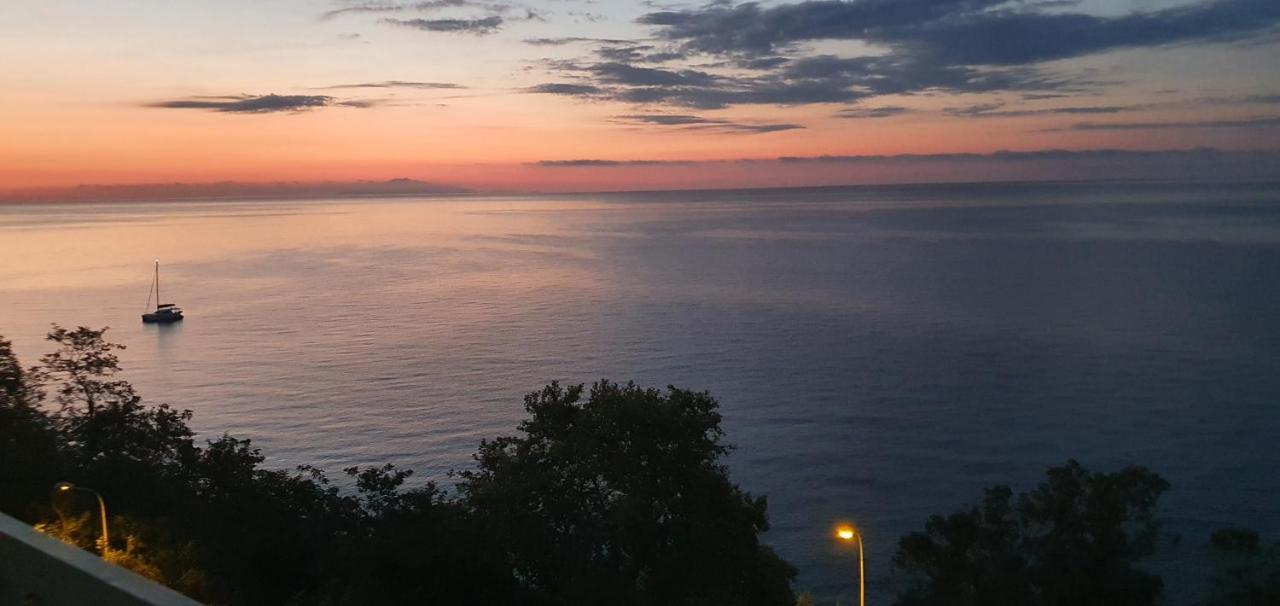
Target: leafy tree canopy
pixel 614 494
pixel 1248 571
pixel 1073 540
pixel 619 497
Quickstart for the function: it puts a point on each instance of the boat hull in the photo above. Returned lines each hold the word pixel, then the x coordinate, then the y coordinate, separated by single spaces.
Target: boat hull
pixel 161 318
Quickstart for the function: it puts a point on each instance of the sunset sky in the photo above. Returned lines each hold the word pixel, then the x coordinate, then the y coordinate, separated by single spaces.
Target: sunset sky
pixel 597 94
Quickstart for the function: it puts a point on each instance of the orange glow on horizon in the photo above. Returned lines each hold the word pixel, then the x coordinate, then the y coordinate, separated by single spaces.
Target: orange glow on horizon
pixel 490 145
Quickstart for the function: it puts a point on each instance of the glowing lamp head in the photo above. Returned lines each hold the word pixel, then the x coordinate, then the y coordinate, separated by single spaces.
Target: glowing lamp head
pixel 845 533
pixel 64 486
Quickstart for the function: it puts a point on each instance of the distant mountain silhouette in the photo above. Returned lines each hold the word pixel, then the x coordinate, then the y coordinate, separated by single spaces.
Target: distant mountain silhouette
pixel 230 190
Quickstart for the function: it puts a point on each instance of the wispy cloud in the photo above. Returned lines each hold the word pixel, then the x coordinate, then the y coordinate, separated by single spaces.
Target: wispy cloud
pixel 480 27
pixel 368 7
pixel 957 31
pixel 602 163
pixel 1255 99
pixel 562 88
pixel 699 123
pixel 886 111
pixel 638 53
pixel 397 84
pixel 665 119
pixel 1000 109
pixel 377 7
pixel 1192 154
pixel 806 80
pixel 997 110
pixel 929 46
pixel 493 14
pixel 1267 121
pixel 1017 155
pixel 259 104
pixel 565 40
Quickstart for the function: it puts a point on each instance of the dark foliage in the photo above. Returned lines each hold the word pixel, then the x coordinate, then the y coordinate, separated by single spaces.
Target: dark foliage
pixel 621 499
pixel 1248 572
pixel 1073 540
pixel 29 443
pixel 614 495
pixel 629 487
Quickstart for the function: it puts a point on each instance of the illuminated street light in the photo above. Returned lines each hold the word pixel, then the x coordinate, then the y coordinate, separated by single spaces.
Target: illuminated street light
pixel 847 533
pixel 104 540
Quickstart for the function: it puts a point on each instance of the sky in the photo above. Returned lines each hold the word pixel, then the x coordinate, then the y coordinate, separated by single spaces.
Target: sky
pixel 550 95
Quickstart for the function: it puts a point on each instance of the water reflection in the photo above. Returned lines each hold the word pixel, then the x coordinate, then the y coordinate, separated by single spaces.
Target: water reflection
pixel 167 334
pixel 888 358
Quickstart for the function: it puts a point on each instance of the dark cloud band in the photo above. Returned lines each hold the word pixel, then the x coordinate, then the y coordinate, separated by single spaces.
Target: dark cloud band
pixel 479 27
pixel 958 31
pixel 398 84
pixel 1203 153
pixel 249 104
pixel 922 46
pixel 699 123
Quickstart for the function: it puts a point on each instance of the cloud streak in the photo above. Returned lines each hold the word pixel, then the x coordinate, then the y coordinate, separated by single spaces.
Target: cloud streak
pixel 398 84
pixel 480 27
pixel 494 15
pixel 1268 121
pixel 996 110
pixel 566 40
pixel 983 32
pixel 567 89
pixel 760 55
pixel 604 163
pixel 259 104
pixel 1187 155
pixel 418 7
pixel 698 123
pixel 887 111
pixel 818 79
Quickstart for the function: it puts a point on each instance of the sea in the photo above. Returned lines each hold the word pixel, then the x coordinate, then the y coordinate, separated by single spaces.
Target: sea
pixel 881 354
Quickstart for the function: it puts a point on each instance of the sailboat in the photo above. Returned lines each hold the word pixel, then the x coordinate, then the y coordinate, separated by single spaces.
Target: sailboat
pixel 165 313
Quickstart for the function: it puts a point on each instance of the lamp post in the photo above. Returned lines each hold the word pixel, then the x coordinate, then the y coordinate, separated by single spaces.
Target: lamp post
pixel 104 540
pixel 847 533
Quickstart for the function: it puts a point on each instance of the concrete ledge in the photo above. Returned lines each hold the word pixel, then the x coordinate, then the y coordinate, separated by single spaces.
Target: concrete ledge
pixel 36 570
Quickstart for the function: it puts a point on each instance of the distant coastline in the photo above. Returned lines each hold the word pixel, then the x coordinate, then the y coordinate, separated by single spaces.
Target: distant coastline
pixel 397 188
pixel 612 177
pixel 229 191
pixel 934 185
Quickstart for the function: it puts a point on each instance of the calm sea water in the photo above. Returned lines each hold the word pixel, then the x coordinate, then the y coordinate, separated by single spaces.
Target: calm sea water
pixel 881 354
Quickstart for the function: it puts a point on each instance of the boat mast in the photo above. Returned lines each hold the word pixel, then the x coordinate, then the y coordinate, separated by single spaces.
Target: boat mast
pixel 157 283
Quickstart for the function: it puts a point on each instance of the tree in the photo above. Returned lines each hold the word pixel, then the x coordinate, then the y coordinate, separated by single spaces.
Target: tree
pixel 420 546
pixel 140 547
pixel 29 445
pixel 81 370
pixel 16 390
pixel 969 558
pixel 83 365
pixel 1086 531
pixel 109 437
pixel 265 536
pixel 1073 540
pixel 1248 571
pixel 622 499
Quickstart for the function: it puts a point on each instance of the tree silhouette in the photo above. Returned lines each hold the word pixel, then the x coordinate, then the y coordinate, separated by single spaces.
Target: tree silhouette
pixel 620 498
pixel 1248 572
pixel 1073 540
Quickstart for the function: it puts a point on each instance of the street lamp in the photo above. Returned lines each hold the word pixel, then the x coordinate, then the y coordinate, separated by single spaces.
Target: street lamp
pixel 104 540
pixel 847 533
